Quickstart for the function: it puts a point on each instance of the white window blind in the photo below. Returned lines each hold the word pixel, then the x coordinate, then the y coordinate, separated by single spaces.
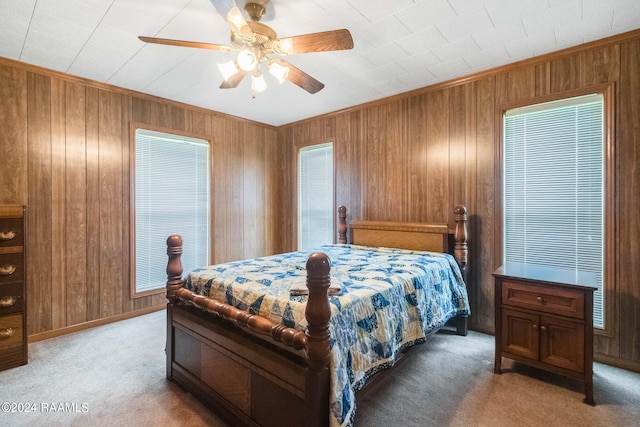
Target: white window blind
pixel 315 196
pixel 554 187
pixel 171 196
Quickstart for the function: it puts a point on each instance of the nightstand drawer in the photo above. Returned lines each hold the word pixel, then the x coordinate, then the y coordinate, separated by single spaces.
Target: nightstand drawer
pixel 11 298
pixel 11 332
pixel 11 267
pixel 11 232
pixel 564 302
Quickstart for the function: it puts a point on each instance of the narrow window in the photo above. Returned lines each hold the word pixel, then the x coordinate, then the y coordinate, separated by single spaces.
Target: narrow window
pixel 315 196
pixel 554 213
pixel 171 196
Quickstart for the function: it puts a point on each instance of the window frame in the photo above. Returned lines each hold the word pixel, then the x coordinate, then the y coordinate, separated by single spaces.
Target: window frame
pixel 610 254
pixel 133 127
pixel 296 161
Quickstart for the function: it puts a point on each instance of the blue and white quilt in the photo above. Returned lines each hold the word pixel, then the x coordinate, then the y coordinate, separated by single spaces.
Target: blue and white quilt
pixel 391 299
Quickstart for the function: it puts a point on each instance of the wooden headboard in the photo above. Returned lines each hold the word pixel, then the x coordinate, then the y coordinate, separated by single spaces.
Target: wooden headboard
pixel 409 235
pixel 405 235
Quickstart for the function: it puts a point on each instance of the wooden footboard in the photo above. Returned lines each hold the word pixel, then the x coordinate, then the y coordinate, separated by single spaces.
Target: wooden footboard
pixel 250 370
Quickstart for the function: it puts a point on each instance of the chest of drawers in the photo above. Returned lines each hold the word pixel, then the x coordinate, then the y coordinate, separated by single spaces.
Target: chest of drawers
pixel 13 306
pixel 544 318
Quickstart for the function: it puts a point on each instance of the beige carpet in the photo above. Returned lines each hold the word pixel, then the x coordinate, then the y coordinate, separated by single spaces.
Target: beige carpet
pixel 114 375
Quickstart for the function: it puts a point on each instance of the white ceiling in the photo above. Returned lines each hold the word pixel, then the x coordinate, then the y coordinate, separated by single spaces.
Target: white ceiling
pixel 400 45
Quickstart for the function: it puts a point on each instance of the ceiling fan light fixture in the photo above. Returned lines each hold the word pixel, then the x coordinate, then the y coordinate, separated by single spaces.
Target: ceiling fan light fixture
pixel 257 82
pixel 247 60
pixel 278 71
pixel 228 69
pixel 237 22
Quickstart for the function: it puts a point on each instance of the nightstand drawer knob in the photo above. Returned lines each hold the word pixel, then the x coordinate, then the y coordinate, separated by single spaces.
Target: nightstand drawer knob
pixel 7 270
pixel 539 299
pixel 6 333
pixel 7 235
pixel 7 301
pixel 543 328
pixel 535 326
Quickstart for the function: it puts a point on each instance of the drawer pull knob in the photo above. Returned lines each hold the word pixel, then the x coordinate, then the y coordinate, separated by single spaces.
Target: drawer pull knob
pixel 539 299
pixel 535 326
pixel 7 235
pixel 543 328
pixel 7 270
pixel 7 301
pixel 7 333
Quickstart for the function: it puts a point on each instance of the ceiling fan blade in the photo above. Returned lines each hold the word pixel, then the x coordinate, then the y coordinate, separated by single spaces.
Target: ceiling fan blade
pixel 315 42
pixel 183 43
pixel 302 79
pixel 234 80
pixel 230 11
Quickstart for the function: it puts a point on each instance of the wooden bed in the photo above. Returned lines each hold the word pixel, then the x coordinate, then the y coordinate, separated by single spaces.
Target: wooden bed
pixel 251 371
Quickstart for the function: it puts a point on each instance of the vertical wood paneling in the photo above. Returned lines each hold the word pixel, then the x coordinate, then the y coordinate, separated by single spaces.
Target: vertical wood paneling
pixel 437 168
pixel 178 118
pixel 457 149
pixel 92 284
pixel 110 237
pixel 516 85
pixel 484 213
pixel 599 66
pixel 75 205
pixel 417 161
pixel 13 137
pixel 565 74
pixel 58 196
pixel 251 161
pixel 39 202
pixel 128 151
pixel 628 229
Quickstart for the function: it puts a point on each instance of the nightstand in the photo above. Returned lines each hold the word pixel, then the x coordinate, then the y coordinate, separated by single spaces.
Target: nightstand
pixel 544 318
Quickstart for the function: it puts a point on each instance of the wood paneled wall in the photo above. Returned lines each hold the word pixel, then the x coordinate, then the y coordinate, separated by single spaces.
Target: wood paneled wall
pixel 414 157
pixel 66 154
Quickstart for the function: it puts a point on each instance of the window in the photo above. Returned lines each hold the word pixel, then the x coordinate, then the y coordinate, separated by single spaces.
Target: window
pixel 171 196
pixel 315 196
pixel 554 188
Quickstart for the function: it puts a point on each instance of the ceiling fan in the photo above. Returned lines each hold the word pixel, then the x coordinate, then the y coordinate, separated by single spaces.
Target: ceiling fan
pixel 256 43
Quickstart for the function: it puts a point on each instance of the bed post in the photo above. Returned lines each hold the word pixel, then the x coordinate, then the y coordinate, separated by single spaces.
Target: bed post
pixel 342 225
pixel 460 253
pixel 460 249
pixel 317 313
pixel 174 266
pixel 174 283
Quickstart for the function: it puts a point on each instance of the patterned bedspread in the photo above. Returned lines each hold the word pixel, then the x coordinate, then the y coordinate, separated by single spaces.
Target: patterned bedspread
pixel 390 299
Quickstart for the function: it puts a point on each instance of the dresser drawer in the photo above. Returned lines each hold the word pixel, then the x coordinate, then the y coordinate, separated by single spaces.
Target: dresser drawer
pixel 11 232
pixel 11 298
pixel 561 301
pixel 11 332
pixel 11 267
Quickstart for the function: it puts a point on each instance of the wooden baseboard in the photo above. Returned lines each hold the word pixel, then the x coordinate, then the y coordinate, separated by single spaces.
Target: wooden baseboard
pixel 93 323
pixel 629 365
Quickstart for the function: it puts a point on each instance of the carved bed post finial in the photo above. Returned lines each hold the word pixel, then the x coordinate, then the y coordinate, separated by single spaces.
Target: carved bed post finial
pixel 460 249
pixel 342 224
pixel 174 266
pixel 317 311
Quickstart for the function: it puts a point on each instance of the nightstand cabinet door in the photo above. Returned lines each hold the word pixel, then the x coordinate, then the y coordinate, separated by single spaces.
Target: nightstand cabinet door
pixel 520 333
pixel 562 343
